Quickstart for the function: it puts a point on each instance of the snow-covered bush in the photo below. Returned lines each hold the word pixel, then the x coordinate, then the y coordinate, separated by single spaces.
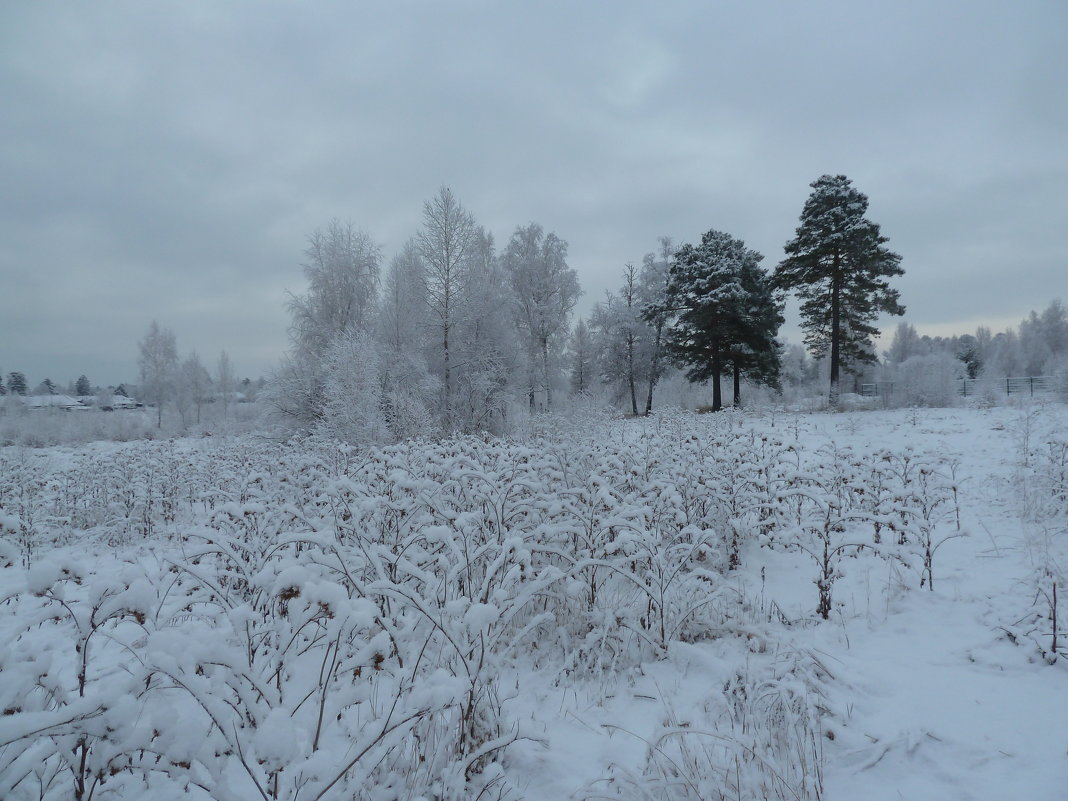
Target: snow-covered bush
pixel 931 379
pixel 352 407
pixel 75 725
pixel 1042 493
pixel 317 618
pixel 758 735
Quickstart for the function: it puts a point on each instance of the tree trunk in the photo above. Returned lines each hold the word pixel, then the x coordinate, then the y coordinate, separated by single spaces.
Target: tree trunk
pixel 448 381
pixel 545 372
pixel 630 375
pixel 654 368
pixel 836 329
pixel 717 392
pixel 737 385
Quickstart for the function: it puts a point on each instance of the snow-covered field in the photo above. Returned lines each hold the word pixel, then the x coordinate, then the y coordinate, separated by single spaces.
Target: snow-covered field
pixel 687 607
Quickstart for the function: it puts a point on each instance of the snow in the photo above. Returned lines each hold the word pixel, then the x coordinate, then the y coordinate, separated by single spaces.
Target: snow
pixel 238 580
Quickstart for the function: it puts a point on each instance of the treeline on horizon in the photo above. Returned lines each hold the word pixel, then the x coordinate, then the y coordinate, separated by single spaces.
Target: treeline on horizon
pixel 456 335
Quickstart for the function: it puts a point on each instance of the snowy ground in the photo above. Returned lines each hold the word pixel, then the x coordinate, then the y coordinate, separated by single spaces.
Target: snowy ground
pixel 944 694
pixel 929 698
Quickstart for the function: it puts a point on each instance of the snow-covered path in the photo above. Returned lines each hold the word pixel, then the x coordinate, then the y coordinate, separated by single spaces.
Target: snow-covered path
pixel 939 707
pixel 939 703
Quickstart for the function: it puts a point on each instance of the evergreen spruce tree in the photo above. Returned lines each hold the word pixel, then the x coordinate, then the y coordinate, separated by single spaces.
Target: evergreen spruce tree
pixel 838 265
pixel 727 313
pixel 16 383
pixel 756 354
pixel 82 386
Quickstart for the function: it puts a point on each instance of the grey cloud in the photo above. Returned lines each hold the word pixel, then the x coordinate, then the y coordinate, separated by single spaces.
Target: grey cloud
pixel 168 160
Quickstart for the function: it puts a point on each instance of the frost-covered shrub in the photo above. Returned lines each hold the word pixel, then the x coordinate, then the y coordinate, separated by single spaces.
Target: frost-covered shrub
pixel 1042 497
pixel 819 514
pixel 352 391
pixel 409 392
pixel 758 735
pixel 930 380
pixel 328 617
pixel 74 724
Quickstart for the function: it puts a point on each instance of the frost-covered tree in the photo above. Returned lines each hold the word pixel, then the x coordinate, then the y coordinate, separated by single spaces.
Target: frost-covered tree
pixel 1054 321
pixel 16 383
pixel 485 344
pixel 193 389
pixel 906 343
pixel 1006 355
pixel 158 364
pixel 931 379
pixel 1044 339
pixel 580 358
pixel 444 244
pixel 544 292
pixel 294 393
pixel 402 315
pixel 46 387
pixel 798 369
pixel 82 387
pixel 839 266
pixel 224 381
pixel 624 338
pixel 352 390
pixel 726 314
pixel 654 282
pixel 410 393
pixel 969 352
pixel 342 266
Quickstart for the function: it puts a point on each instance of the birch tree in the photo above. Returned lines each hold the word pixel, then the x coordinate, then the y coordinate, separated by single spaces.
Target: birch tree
pixel 444 244
pixel 624 338
pixel 194 383
pixel 224 381
pixel 544 292
pixel 342 269
pixel 158 363
pixel 654 282
pixel 485 343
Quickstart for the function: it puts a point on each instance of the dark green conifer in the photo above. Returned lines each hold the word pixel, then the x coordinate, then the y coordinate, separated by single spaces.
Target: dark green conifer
pixel 838 265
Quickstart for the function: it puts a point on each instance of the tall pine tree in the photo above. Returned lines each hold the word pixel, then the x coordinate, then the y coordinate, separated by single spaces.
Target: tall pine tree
pixel 838 265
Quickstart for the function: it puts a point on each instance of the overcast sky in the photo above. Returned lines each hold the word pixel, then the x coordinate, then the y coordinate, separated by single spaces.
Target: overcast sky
pixel 167 160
